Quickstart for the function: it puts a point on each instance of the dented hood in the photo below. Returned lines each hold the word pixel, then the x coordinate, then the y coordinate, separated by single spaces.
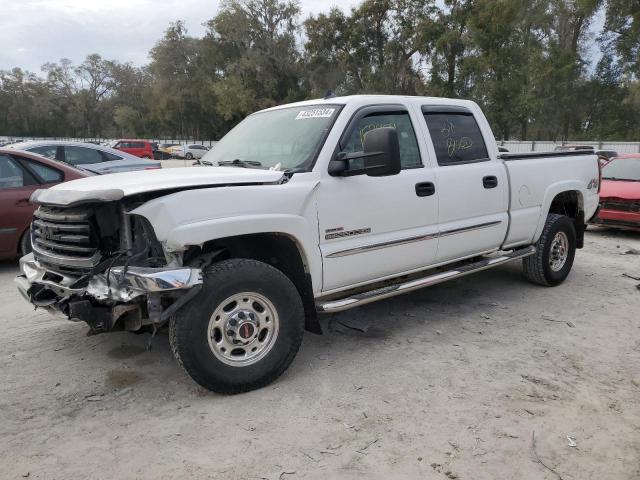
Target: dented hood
pixel 119 185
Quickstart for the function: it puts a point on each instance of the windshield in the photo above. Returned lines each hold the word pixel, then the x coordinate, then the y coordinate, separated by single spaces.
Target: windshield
pixel 283 139
pixel 622 169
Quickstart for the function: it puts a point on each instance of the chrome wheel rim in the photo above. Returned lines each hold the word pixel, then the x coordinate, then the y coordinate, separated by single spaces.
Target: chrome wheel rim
pixel 243 329
pixel 559 251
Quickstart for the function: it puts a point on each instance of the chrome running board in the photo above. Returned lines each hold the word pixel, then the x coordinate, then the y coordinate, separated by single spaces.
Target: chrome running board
pixel 362 298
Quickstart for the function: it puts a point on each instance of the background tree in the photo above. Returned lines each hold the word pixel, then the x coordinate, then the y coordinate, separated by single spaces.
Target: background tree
pixel 536 67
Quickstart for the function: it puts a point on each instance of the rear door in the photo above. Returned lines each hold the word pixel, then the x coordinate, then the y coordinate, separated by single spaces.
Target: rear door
pixel 472 187
pixel 376 227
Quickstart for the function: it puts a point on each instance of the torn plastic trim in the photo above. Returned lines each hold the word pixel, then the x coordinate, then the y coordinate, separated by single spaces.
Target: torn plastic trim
pixel 124 284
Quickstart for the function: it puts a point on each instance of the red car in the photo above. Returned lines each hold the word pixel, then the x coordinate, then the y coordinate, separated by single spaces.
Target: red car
pixel 620 193
pixel 20 174
pixel 139 148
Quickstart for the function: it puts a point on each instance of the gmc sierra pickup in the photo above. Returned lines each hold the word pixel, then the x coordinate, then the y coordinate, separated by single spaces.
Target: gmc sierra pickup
pixel 314 207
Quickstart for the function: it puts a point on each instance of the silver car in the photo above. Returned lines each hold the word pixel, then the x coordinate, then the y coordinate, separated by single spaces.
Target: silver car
pixel 95 158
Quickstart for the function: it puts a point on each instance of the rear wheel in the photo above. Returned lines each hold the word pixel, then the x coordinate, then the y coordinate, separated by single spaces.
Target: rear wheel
pixel 555 251
pixel 242 330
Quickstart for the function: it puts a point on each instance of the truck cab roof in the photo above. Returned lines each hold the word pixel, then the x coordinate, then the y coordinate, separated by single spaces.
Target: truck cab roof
pixel 367 100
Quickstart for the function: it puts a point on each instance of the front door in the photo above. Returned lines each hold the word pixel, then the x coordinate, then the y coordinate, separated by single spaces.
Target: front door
pixel 375 227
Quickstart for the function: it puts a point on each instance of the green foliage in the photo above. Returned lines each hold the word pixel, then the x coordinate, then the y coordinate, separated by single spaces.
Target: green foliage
pixel 536 67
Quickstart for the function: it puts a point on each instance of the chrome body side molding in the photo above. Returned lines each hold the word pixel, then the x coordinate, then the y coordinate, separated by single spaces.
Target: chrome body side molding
pixel 359 299
pixel 378 246
pixel 455 231
pixel 404 241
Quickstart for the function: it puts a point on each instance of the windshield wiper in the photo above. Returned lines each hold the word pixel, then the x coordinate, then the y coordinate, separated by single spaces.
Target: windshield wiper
pixel 240 163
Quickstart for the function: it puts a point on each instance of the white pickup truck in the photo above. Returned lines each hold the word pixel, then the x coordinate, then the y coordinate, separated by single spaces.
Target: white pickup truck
pixel 313 207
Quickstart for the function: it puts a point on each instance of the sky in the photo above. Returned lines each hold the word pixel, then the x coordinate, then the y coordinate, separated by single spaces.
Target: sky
pixel 33 32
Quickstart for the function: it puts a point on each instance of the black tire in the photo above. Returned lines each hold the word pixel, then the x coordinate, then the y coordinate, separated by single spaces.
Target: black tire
pixel 189 156
pixel 536 267
pixel 189 329
pixel 25 243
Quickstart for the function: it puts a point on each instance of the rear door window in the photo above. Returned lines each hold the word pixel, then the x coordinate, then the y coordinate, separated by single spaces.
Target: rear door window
pixel 48 151
pixel 456 137
pixel 81 155
pixel 110 156
pixel 46 173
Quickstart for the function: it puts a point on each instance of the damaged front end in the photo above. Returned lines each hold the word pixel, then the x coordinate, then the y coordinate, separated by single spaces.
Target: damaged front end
pixel 99 264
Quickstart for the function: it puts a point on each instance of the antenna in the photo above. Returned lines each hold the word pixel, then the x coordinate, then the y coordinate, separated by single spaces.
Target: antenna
pixel 329 94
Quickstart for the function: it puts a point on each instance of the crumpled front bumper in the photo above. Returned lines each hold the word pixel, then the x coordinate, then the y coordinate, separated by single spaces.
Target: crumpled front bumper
pixel 46 288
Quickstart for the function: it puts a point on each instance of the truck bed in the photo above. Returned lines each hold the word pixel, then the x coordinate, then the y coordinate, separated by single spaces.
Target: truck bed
pixel 535 178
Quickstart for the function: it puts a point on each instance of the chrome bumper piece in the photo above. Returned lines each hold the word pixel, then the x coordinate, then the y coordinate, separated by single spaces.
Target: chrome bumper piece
pixel 124 285
pixel 117 284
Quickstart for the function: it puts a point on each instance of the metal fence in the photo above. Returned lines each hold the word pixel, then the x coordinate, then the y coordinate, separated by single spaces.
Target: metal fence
pixel 206 143
pixel 515 146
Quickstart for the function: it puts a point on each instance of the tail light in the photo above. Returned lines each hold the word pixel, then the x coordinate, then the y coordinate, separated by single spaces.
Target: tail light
pixel 599 176
pixel 153 168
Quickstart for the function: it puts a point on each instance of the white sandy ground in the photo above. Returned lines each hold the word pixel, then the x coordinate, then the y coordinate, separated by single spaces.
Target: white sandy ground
pixel 448 382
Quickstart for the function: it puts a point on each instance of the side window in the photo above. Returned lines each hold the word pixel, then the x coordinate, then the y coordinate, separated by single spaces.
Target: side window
pixel 48 151
pixel 456 138
pixel 137 145
pixel 47 174
pixel 409 153
pixel 110 156
pixel 81 155
pixel 11 175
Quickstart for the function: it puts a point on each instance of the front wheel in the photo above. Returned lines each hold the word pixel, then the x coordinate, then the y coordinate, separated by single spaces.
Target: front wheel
pixel 555 251
pixel 189 156
pixel 242 330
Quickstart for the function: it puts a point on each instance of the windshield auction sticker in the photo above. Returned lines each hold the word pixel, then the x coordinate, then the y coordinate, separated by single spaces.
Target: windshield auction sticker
pixel 315 113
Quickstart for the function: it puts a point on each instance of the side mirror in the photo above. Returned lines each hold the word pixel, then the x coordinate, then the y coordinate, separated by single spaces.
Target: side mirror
pixel 381 155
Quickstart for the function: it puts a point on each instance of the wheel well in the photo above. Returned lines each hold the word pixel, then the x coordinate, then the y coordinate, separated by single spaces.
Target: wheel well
pixel 20 238
pixel 277 250
pixel 570 204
